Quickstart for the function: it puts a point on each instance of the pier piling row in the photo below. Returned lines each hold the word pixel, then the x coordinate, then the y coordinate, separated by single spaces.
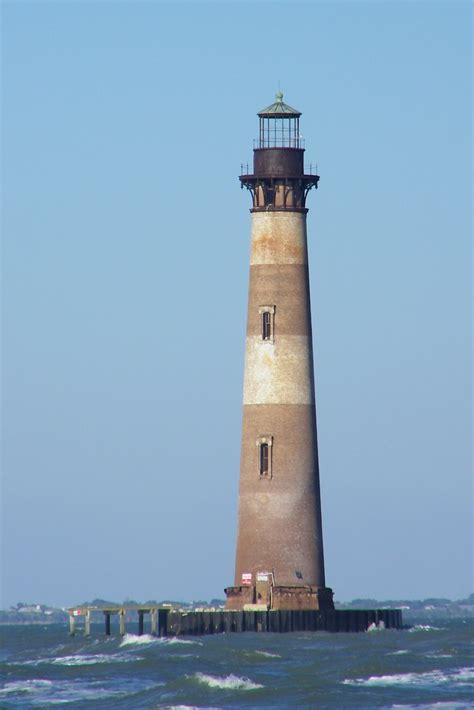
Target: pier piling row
pixel 166 622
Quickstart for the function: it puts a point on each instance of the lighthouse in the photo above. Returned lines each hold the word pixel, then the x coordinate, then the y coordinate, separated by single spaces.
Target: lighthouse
pixel 279 558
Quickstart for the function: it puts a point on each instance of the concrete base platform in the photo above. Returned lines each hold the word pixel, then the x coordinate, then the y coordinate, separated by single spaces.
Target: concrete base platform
pixel 280 621
pixel 289 597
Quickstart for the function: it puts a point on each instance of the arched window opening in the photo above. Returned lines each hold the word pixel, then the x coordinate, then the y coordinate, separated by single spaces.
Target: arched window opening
pixel 266 325
pixel 267 315
pixel 265 448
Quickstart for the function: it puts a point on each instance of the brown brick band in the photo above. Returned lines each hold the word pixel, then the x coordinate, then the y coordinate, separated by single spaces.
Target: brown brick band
pixel 287 287
pixel 279 520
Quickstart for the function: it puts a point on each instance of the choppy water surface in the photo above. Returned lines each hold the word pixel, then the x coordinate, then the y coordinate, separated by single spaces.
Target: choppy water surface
pixel 428 666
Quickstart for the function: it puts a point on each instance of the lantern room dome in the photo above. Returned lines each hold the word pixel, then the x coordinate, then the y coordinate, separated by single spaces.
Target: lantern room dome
pixel 279 109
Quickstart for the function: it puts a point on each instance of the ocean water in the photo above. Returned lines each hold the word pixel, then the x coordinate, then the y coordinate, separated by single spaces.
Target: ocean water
pixel 426 666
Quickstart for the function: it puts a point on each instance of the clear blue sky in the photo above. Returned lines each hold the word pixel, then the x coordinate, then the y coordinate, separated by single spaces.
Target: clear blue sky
pixel 125 266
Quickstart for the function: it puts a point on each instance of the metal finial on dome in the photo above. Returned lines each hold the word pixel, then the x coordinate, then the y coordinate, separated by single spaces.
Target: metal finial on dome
pixel 279 109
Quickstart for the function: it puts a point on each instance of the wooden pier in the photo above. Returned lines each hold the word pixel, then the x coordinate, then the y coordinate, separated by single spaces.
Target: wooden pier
pixel 169 622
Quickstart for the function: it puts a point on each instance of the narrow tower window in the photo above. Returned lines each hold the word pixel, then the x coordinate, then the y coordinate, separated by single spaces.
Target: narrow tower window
pixel 264 459
pixel 267 315
pixel 264 444
pixel 266 325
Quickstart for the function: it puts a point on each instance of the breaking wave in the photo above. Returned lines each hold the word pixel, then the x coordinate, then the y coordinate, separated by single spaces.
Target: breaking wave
pixel 436 706
pixel 134 640
pixel 26 686
pixel 376 627
pixel 93 659
pixel 59 692
pixel 80 660
pixel 187 642
pixel 230 682
pixel 267 654
pixel 458 677
pixel 146 639
pixel 423 627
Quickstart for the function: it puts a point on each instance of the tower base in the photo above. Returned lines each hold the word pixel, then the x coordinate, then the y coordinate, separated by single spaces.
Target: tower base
pixel 285 597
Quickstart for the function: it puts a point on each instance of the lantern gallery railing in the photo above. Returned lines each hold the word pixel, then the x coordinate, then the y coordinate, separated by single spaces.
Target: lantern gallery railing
pixel 278 141
pixel 311 169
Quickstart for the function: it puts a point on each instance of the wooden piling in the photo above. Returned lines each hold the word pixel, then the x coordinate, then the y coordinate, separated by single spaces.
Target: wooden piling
pixel 238 621
pixel 87 623
pixel 72 625
pixel 107 623
pixel 229 621
pixel 121 616
pixel 163 622
pixel 140 622
pixel 154 622
pixel 274 623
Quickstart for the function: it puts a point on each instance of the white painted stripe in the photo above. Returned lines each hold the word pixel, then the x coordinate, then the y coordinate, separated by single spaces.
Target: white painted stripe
pixel 279 372
pixel 279 238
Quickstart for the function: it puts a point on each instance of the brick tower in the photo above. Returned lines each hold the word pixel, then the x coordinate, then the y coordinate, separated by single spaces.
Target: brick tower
pixel 279 560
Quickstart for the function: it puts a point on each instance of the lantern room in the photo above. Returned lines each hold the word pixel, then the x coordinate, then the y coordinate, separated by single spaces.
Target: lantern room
pixel 278 180
pixel 279 126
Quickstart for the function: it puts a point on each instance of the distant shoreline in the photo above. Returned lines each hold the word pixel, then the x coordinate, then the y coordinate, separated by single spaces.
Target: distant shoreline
pixel 43 615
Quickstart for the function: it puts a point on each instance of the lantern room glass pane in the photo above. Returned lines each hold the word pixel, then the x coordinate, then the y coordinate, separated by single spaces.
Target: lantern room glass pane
pixel 279 132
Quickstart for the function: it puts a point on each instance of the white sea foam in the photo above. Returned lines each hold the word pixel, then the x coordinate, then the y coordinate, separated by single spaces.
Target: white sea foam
pixel 90 660
pixel 58 648
pixel 456 705
pixel 267 654
pixel 458 677
pixel 26 686
pixel 134 640
pixel 58 692
pixel 230 682
pixel 465 674
pixel 79 660
pixel 187 642
pixel 423 627
pixel 146 639
pixel 376 627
